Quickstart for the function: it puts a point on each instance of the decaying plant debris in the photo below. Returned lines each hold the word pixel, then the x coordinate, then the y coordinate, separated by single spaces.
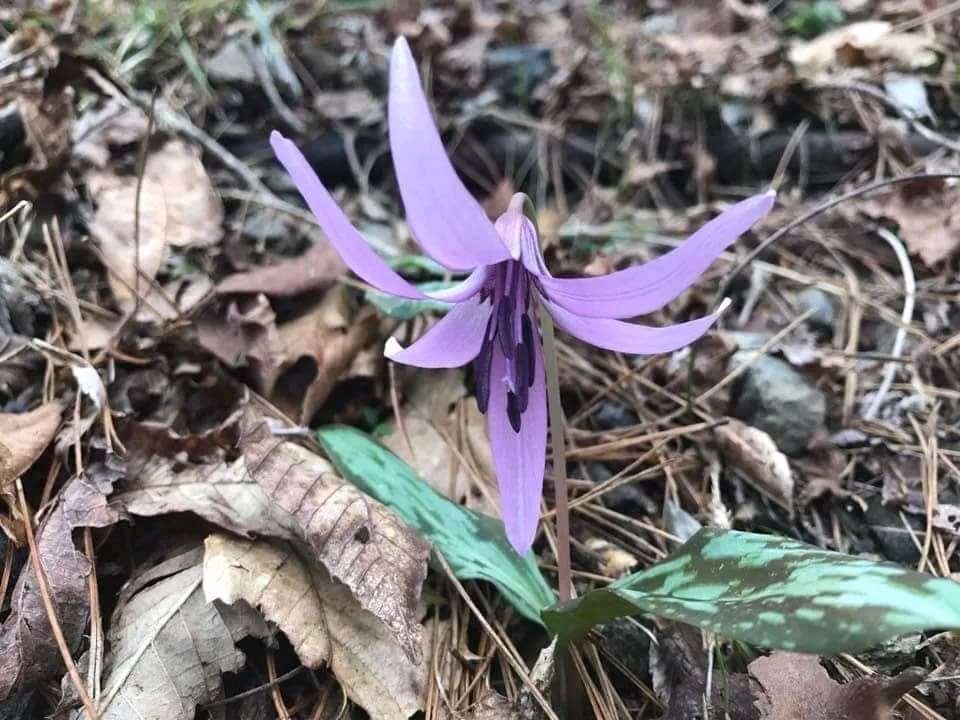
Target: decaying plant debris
pixel 173 325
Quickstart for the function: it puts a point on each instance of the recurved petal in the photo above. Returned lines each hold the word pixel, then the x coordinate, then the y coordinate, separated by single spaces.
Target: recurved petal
pixel 629 338
pixel 645 288
pixel 446 220
pixel 454 341
pixel 518 457
pixel 354 250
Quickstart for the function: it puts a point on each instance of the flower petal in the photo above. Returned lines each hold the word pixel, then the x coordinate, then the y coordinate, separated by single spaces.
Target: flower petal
pixel 629 338
pixel 446 220
pixel 354 250
pixel 518 457
pixel 351 245
pixel 648 287
pixel 454 341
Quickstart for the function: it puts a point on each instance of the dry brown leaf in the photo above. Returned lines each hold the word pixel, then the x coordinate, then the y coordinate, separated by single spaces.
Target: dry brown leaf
pixel 315 270
pixel 28 651
pixel 330 336
pixel 929 222
pixel 324 622
pixel 444 439
pixel 244 332
pixel 169 646
pixel 797 687
pixel 177 207
pixel 298 363
pixel 614 560
pixel 23 437
pixel 47 120
pixel 858 44
pixel 114 124
pixel 246 480
pixel 754 455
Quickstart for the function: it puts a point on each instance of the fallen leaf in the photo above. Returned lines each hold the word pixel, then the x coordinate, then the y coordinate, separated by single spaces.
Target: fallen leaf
pixel 28 650
pixel 859 44
pixel 328 338
pixel 23 437
pixel 296 364
pixel 177 206
pixel 755 456
pixel 614 560
pixel 102 127
pixel 242 334
pixel 444 439
pixel 315 270
pixel 351 104
pixel 323 621
pixel 947 517
pixel 797 687
pixel 245 480
pixel 47 120
pixel 169 645
pixel 929 222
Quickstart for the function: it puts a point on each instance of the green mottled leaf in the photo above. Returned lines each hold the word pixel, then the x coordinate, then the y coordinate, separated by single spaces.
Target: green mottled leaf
pixel 405 308
pixel 473 544
pixel 773 592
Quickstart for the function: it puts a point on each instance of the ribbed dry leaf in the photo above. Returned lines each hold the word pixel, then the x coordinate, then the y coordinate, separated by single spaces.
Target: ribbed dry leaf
pixel 323 621
pixel 28 651
pixel 755 456
pixel 169 646
pixel 246 480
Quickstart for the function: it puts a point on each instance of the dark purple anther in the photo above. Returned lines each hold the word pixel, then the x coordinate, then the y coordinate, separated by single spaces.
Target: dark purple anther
pixel 481 381
pixel 513 411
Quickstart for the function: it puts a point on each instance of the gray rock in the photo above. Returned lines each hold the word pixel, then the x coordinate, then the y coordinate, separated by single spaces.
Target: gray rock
pixel 817 300
pixel 775 398
pixel 231 64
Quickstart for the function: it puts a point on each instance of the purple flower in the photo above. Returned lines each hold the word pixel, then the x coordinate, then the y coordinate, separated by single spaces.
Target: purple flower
pixel 493 321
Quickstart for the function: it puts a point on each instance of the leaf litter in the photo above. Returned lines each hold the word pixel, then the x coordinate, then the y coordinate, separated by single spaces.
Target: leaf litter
pixel 627 127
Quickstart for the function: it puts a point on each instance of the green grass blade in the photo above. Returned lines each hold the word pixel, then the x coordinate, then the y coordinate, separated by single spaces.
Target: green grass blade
pixel 473 544
pixel 775 593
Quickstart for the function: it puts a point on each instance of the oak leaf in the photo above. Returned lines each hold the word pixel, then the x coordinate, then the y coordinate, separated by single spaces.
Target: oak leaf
pixel 323 621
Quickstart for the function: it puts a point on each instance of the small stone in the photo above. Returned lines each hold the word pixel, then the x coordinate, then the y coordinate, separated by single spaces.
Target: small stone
pixel 819 302
pixel 610 416
pixel 777 399
pixel 231 65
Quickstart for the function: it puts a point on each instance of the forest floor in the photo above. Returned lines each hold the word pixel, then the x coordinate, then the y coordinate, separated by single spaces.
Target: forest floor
pixel 171 315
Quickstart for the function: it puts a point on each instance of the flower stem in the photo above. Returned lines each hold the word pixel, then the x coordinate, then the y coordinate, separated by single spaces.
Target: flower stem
pixel 565 576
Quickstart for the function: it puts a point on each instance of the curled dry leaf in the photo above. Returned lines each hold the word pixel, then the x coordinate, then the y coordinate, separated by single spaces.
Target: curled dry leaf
pixel 928 217
pixel 754 455
pixel 859 44
pixel 246 480
pixel 23 436
pixel 315 270
pixel 169 646
pixel 177 206
pixel 797 687
pixel 328 337
pixel 323 621
pixel 295 364
pixel 28 650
